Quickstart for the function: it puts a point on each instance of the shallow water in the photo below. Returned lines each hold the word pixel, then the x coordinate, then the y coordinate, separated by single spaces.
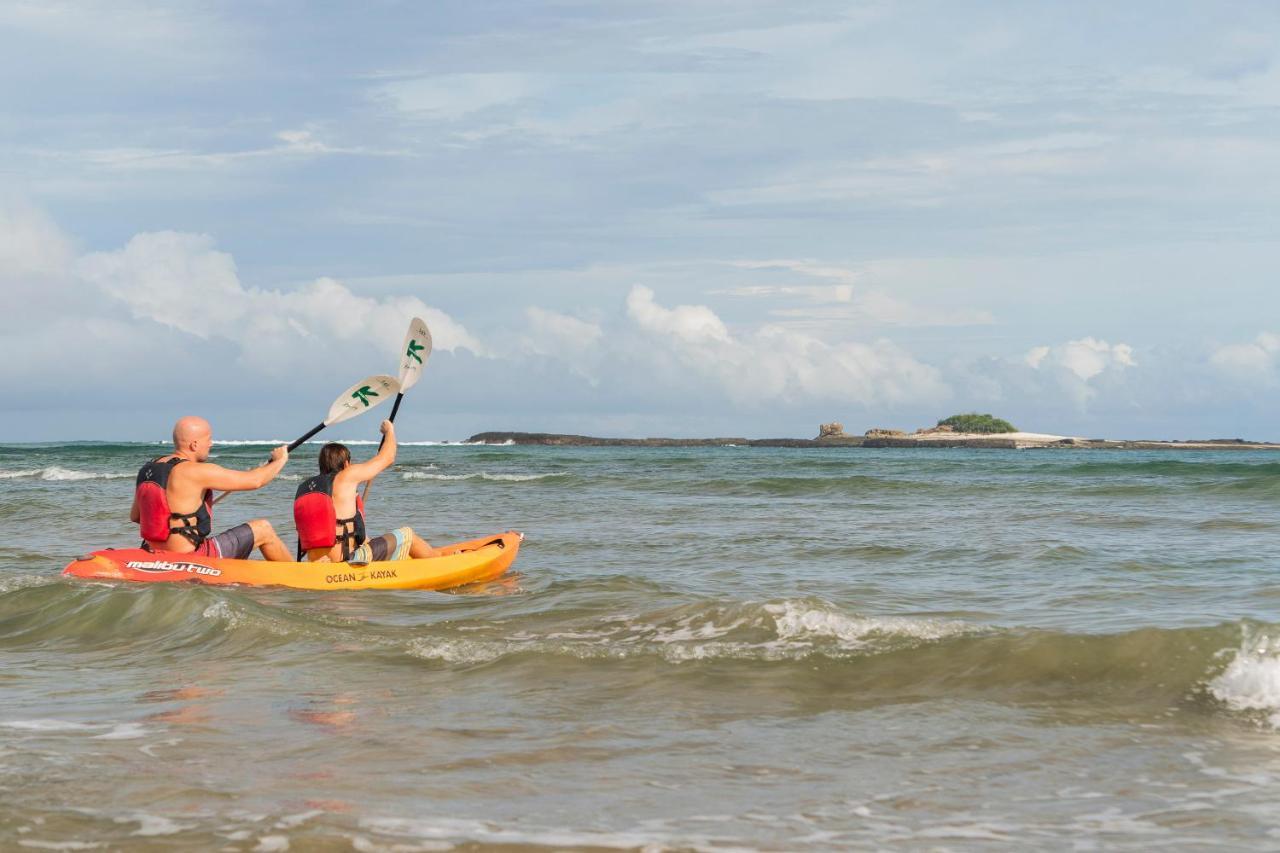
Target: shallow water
pixel 712 648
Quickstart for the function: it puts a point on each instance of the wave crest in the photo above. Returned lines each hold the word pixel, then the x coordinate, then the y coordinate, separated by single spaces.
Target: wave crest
pixel 1251 681
pixel 56 473
pixel 780 631
pixel 483 475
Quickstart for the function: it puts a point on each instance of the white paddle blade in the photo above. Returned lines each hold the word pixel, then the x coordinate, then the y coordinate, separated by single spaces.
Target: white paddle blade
pixel 414 353
pixel 362 397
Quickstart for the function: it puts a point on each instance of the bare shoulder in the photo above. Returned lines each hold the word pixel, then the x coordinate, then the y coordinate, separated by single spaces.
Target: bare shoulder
pixel 199 471
pixel 347 480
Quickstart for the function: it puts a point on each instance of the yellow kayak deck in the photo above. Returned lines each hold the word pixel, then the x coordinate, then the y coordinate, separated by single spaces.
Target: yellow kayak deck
pixel 462 563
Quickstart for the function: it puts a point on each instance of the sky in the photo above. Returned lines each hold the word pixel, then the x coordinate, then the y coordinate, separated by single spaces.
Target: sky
pixel 693 218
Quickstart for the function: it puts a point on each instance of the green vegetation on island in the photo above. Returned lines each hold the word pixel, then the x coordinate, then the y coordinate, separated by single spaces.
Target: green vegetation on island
pixel 972 422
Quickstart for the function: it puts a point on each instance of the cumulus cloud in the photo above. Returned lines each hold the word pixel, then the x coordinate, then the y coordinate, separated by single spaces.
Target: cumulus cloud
pixel 774 363
pixel 31 245
pixel 690 324
pixel 565 338
pixel 1085 358
pixel 1254 360
pixel 172 304
pixel 181 281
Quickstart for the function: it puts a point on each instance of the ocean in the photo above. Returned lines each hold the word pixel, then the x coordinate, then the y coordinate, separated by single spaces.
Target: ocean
pixel 703 648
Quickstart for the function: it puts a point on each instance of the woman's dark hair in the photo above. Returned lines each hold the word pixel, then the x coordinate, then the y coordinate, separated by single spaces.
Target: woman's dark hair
pixel 333 457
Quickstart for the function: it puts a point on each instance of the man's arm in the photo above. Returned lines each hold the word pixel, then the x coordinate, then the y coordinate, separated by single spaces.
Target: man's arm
pixel 134 515
pixel 210 476
pixel 358 472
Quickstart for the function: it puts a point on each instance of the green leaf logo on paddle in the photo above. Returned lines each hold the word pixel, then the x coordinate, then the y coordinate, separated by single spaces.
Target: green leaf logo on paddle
pixel 414 349
pixel 363 393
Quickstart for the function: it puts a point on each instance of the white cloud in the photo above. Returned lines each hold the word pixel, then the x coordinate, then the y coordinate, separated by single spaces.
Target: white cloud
pixel 807 267
pixel 565 338
pixel 774 363
pixel 180 280
pixel 1086 357
pixel 849 300
pixel 929 178
pixel 691 324
pixel 1255 360
pixel 553 333
pixel 1036 356
pixel 31 245
pixel 452 96
pixel 1074 370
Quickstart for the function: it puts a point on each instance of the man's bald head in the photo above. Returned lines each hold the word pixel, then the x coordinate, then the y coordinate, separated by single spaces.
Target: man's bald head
pixel 193 436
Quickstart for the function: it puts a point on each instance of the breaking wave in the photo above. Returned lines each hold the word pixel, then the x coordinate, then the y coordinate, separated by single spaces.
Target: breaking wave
pixel 56 473
pixel 847 657
pixel 482 475
pixel 1251 681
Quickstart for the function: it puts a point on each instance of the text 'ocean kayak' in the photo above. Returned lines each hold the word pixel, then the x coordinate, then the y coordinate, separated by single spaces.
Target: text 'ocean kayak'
pixel 463 563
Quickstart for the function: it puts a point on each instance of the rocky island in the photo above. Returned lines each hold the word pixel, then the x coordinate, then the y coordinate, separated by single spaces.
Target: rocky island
pixel 957 431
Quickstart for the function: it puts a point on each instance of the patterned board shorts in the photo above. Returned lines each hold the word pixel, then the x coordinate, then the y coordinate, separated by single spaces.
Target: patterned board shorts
pixel 388 546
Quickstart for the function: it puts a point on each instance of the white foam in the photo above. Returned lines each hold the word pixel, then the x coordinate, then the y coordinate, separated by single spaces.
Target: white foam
pixel 463 829
pixel 799 629
pixel 222 611
pixel 457 651
pixel 483 475
pixel 272 844
pixel 1251 682
pixel 59 845
pixel 124 731
pixel 152 825
pixel 295 820
pixel 115 731
pixel 16 582
pixel 47 726
pixel 363 845
pixel 798 621
pixel 56 473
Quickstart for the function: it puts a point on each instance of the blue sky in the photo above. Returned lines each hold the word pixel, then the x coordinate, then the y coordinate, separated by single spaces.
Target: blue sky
pixel 686 218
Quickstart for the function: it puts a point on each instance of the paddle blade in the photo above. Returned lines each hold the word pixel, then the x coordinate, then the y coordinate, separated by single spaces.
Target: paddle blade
pixel 362 397
pixel 414 353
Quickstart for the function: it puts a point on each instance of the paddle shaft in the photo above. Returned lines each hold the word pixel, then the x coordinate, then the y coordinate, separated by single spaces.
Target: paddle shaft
pixel 315 429
pixel 292 447
pixel 395 407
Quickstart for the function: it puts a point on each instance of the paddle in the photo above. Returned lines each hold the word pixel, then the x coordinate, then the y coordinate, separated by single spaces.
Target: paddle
pixel 354 401
pixel 414 353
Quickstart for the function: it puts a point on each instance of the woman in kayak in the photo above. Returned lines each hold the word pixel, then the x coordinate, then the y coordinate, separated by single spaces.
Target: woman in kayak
pixel 329 513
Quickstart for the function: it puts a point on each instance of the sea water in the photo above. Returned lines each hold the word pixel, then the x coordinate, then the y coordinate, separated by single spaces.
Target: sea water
pixel 711 648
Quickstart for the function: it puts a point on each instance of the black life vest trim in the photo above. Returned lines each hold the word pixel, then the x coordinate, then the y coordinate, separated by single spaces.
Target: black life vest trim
pixel 350 532
pixel 196 526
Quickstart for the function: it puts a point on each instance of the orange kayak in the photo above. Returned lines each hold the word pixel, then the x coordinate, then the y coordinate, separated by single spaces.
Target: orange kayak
pixel 475 561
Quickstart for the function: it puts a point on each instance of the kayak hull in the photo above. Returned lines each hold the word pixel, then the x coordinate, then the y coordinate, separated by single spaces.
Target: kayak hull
pixel 475 561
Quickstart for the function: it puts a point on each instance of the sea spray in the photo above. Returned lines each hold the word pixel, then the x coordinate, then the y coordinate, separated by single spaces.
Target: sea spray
pixel 1251 681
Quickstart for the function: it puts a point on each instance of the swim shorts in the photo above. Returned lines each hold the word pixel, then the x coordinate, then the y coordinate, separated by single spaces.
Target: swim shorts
pixel 235 543
pixel 388 546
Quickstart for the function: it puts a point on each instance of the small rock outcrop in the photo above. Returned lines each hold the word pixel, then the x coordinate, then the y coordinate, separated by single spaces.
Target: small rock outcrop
pixel 831 430
pixel 937 430
pixel 885 433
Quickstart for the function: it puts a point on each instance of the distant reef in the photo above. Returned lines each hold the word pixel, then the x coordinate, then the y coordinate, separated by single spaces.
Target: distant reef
pixel 877 438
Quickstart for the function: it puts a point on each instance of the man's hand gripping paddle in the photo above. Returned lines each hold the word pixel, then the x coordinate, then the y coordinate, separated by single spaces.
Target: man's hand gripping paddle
pixel 353 402
pixel 414 353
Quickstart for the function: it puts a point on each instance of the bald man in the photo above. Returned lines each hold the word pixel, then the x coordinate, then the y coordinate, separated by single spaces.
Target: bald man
pixel 173 498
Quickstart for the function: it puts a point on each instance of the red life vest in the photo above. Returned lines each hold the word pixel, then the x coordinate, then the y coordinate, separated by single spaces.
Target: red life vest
pixel 154 516
pixel 317 521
